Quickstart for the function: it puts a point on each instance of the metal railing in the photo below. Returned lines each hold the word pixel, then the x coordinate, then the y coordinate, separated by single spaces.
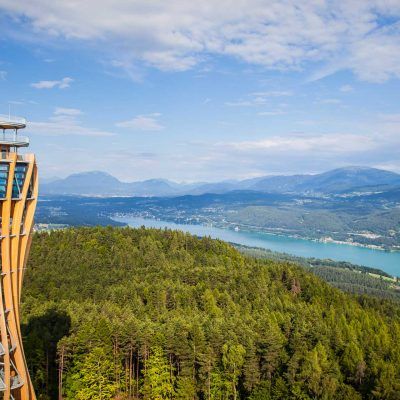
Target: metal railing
pixel 13 138
pixel 12 119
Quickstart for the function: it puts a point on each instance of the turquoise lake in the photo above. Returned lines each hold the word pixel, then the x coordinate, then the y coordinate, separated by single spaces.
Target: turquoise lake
pixel 385 260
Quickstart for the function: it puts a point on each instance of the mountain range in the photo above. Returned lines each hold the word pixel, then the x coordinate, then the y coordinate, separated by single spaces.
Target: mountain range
pixel 337 181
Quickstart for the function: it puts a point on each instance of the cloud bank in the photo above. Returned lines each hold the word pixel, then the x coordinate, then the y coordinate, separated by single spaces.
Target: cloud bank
pixel 147 122
pixel 60 84
pixel 359 35
pixel 65 122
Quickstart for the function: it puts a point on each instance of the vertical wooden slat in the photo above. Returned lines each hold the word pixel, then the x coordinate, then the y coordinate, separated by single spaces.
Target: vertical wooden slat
pixel 6 270
pixel 15 246
pixel 16 232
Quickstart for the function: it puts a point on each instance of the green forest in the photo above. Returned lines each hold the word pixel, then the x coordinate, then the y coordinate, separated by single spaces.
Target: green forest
pixel 356 279
pixel 121 313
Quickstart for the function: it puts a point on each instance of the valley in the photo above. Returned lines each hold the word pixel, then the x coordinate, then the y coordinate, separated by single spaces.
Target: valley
pixel 354 205
pixel 363 220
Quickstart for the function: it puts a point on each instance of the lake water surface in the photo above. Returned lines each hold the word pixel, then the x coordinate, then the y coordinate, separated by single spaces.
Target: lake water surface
pixel 385 260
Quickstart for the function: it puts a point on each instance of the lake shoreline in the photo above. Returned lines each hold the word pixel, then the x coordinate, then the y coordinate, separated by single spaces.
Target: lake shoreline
pixel 387 261
pixel 254 229
pixel 326 239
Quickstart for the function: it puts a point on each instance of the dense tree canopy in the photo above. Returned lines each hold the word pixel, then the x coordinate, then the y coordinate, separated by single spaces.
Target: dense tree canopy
pixel 120 313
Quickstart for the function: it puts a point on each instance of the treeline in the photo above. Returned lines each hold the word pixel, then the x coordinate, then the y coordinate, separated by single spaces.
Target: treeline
pixel 355 279
pixel 258 252
pixel 346 265
pixel 358 282
pixel 120 313
pixel 318 218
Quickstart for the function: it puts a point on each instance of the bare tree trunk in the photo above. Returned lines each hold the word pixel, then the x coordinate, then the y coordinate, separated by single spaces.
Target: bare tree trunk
pixel 131 366
pixel 209 380
pixel 60 375
pixel 170 369
pixel 137 374
pixel 47 372
pixel 234 385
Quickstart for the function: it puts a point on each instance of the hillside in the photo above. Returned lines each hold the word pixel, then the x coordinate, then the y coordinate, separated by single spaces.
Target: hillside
pixel 340 180
pixel 335 181
pixel 160 314
pixel 97 183
pixel 351 278
pixel 368 220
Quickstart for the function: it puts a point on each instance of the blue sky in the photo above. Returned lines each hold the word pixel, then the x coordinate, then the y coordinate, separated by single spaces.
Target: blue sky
pixel 221 90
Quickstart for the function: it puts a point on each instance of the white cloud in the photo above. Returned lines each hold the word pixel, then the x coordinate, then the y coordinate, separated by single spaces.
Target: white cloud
pixel 64 122
pixel 346 88
pixel 376 142
pixel 273 93
pixel 290 153
pixel 308 144
pixel 376 58
pixel 373 143
pixel 3 75
pixel 177 35
pixel 390 118
pixel 258 98
pixel 147 122
pixel 67 111
pixel 286 153
pixel 329 101
pixel 240 103
pixel 61 84
pixel 271 113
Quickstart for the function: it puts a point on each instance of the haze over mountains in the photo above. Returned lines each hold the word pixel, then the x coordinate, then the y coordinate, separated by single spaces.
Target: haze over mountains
pixel 342 180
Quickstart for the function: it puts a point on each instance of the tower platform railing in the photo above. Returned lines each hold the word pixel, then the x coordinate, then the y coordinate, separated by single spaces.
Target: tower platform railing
pixel 12 122
pixel 13 139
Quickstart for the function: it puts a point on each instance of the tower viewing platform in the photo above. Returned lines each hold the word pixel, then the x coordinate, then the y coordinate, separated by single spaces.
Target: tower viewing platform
pixel 9 127
pixel 18 199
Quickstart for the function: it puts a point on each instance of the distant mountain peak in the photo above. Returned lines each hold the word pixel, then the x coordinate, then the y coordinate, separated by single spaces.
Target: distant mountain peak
pixel 338 180
pixel 355 168
pixel 91 174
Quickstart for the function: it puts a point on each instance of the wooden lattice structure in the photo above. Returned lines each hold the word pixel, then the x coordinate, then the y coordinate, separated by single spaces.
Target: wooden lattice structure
pixel 18 198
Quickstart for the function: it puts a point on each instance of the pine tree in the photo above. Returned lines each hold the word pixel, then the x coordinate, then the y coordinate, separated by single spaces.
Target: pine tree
pixel 158 379
pixel 232 360
pixel 94 377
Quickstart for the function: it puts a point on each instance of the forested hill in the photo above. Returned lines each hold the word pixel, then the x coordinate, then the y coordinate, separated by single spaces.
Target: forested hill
pixel 112 313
